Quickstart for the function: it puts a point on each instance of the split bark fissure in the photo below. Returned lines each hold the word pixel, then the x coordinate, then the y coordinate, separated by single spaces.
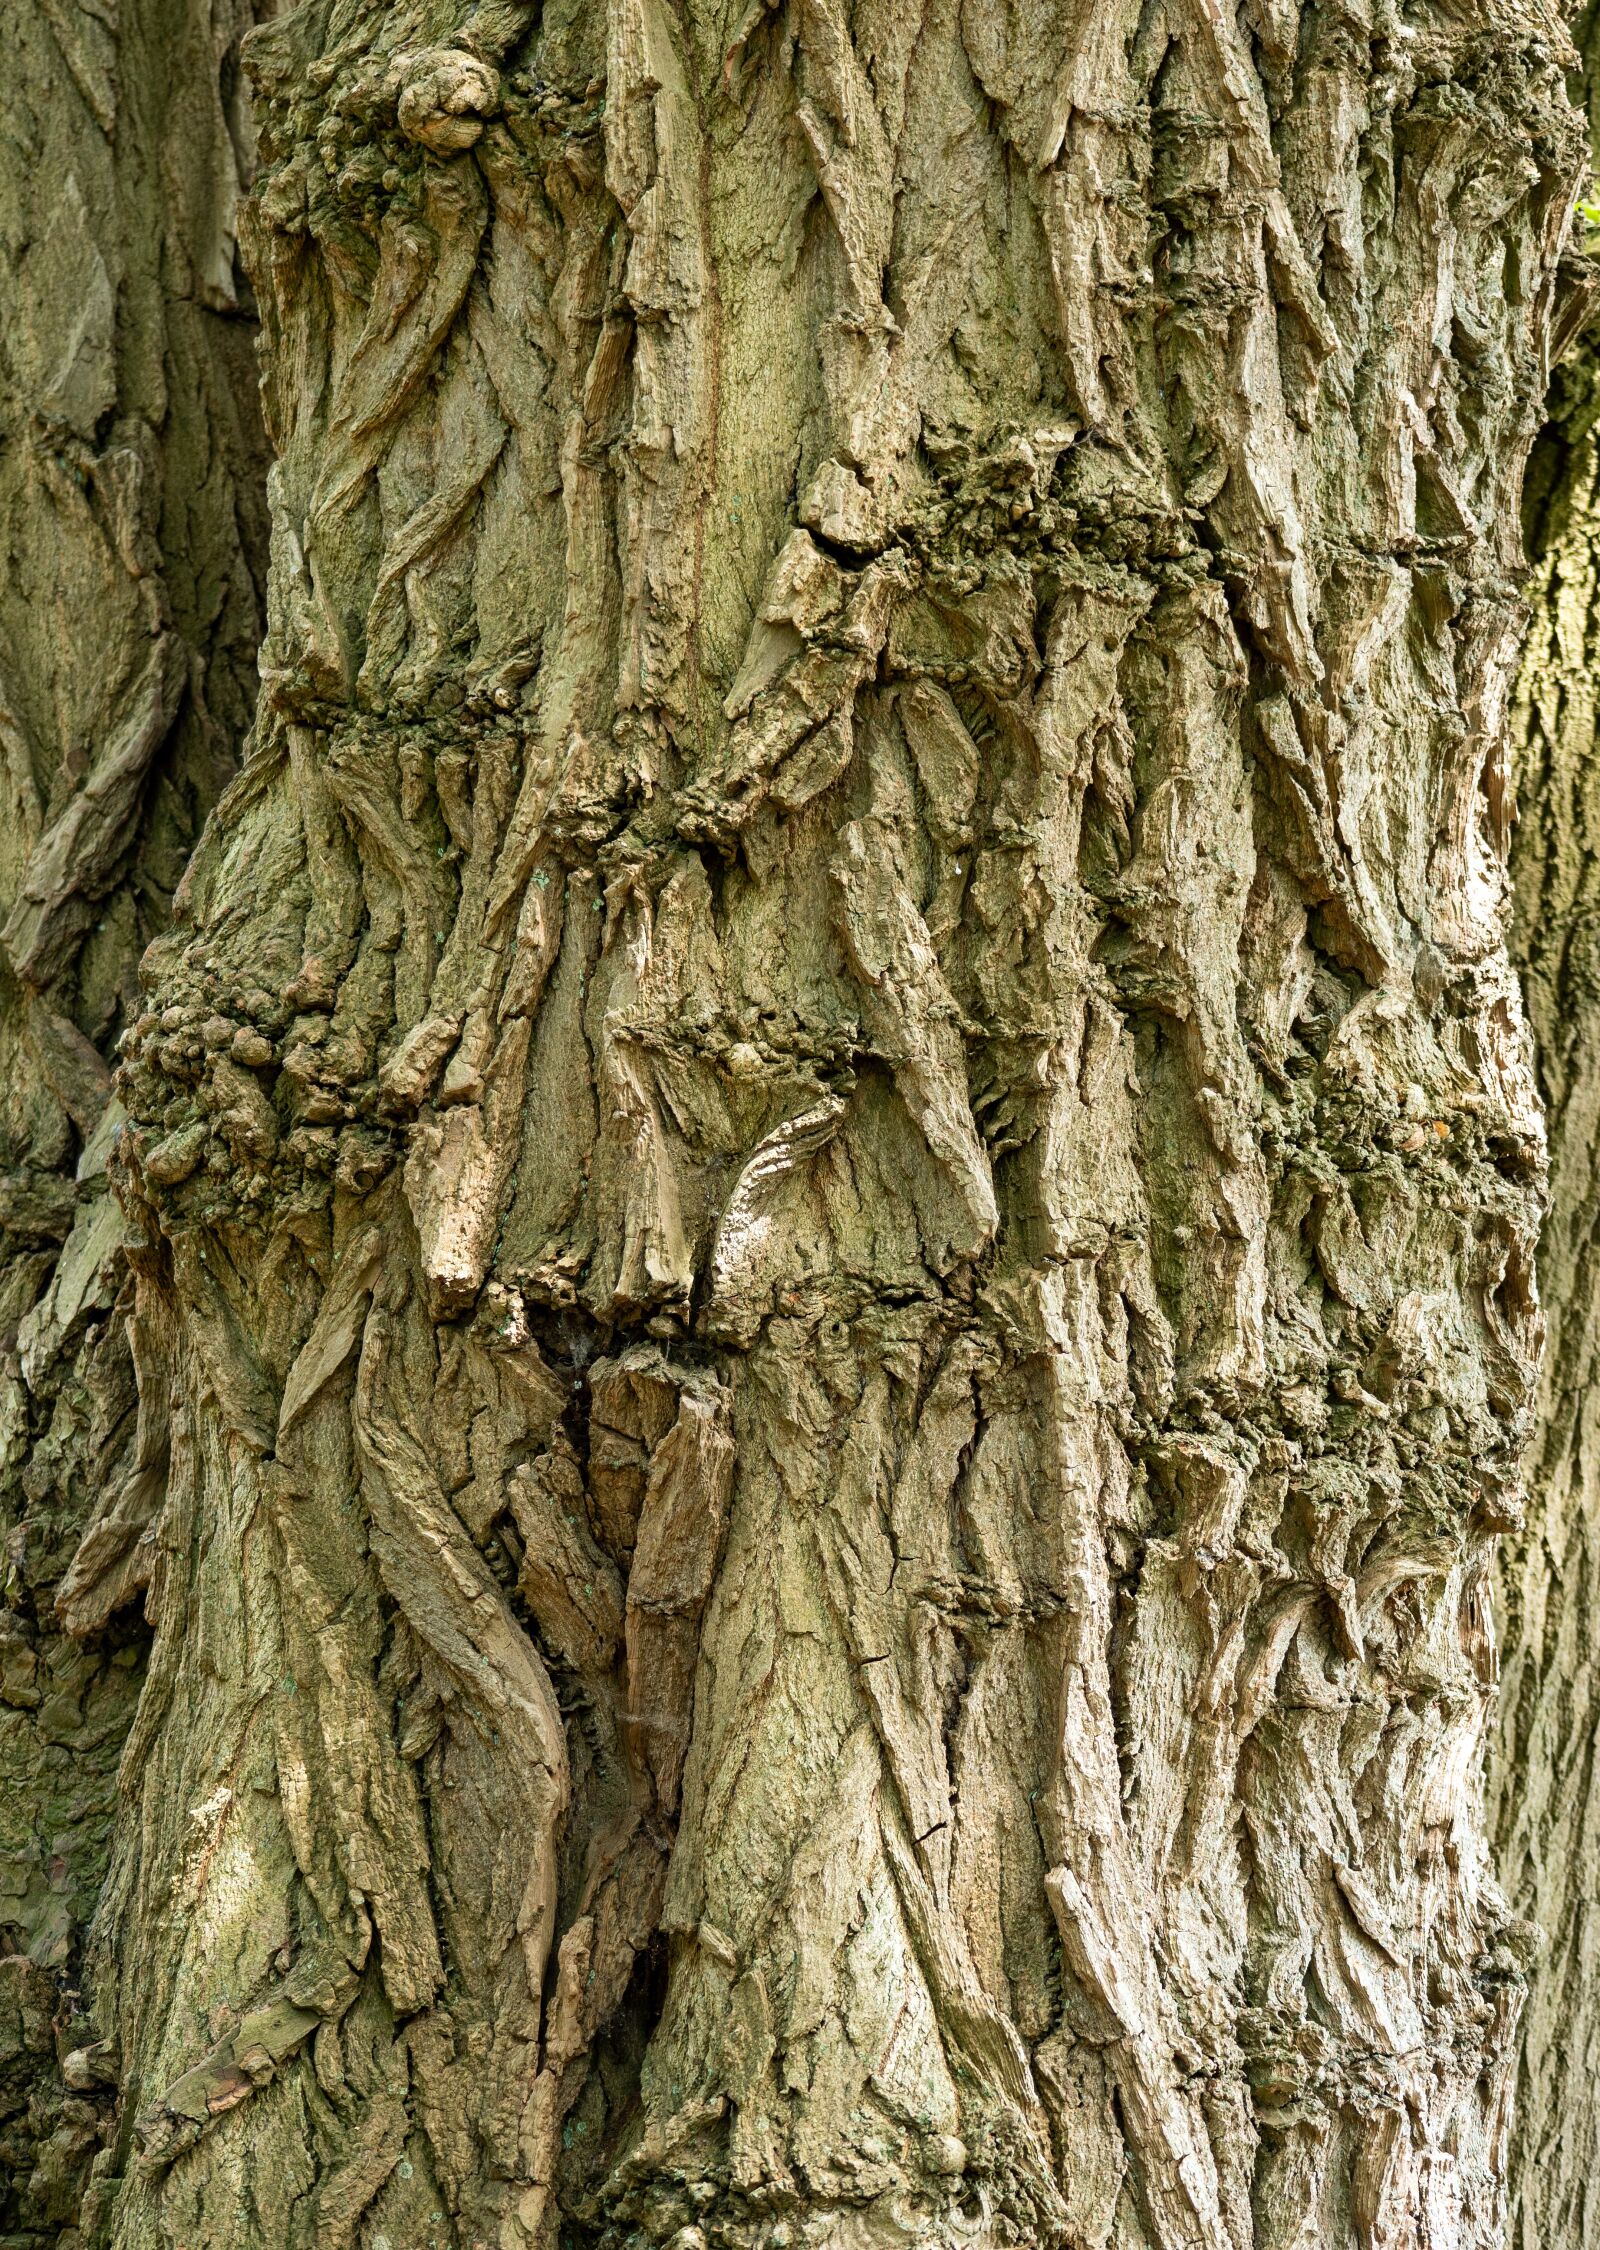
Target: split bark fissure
pixel 832 1165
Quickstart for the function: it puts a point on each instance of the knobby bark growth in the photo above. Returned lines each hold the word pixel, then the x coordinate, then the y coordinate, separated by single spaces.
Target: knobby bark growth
pixel 831 1177
pixel 133 548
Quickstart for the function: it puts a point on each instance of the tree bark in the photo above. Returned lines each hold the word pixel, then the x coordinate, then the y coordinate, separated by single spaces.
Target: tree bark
pixel 1543 1804
pixel 832 1173
pixel 131 473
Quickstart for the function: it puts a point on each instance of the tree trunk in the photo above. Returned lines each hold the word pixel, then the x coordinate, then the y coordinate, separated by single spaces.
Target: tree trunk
pixel 1543 1799
pixel 832 1174
pixel 131 467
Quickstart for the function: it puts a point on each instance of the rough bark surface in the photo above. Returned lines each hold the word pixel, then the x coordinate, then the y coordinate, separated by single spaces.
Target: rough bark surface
pixel 131 471
pixel 832 1174
pixel 1544 1805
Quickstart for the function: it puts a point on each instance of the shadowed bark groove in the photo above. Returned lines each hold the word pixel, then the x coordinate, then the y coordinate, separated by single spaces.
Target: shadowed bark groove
pixel 832 1171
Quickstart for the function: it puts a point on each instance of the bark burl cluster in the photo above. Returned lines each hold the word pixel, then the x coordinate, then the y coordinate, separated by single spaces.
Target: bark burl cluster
pixel 831 1176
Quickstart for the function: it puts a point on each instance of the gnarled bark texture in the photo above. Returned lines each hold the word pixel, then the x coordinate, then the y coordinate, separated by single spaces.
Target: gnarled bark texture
pixel 1544 1804
pixel 1544 1801
pixel 131 467
pixel 832 1174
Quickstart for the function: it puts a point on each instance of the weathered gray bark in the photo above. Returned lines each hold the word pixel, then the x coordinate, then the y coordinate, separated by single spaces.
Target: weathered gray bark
pixel 1545 1811
pixel 832 1175
pixel 131 469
